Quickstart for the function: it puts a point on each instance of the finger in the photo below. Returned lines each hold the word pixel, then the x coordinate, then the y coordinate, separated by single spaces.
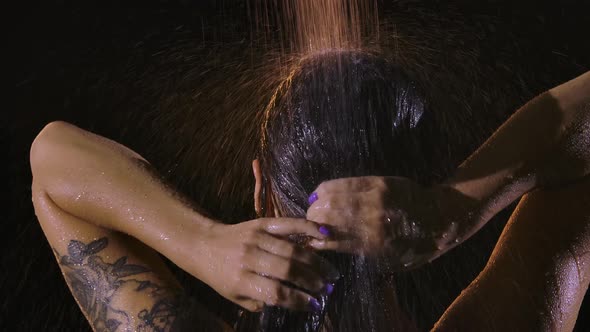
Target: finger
pixel 335 219
pixel 347 201
pixel 352 246
pixel 272 292
pixel 290 226
pixel 286 270
pixel 257 185
pixel 291 251
pixel 251 305
pixel 348 206
pixel 346 185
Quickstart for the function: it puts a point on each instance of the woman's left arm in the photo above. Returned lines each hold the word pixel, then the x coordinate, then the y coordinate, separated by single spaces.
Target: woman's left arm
pixel 544 144
pixel 538 273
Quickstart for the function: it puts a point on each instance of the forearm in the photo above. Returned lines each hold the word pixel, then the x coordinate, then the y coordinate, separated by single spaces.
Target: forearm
pixel 545 143
pixel 104 183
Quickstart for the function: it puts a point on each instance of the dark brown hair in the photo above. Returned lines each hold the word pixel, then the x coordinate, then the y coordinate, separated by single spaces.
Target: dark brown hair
pixel 340 114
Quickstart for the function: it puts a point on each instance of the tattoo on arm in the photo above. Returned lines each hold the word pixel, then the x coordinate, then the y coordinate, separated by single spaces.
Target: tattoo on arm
pixel 101 288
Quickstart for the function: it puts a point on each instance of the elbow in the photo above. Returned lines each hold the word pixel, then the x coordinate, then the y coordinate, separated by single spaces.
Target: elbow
pixel 45 146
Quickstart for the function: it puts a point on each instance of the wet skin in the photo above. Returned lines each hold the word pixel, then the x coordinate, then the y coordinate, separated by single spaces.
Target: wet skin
pixel 87 188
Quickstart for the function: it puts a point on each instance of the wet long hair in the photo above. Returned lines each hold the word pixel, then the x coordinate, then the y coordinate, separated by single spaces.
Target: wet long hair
pixel 341 114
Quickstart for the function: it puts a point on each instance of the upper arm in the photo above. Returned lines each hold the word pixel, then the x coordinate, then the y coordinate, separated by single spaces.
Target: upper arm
pixel 115 279
pixel 539 271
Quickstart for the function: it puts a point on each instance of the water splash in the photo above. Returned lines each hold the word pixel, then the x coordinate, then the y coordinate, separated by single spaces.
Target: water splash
pixel 306 26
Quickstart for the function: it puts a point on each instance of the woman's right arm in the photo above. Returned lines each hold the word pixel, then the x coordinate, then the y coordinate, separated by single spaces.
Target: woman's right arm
pixel 103 184
pixel 107 184
pixel 118 281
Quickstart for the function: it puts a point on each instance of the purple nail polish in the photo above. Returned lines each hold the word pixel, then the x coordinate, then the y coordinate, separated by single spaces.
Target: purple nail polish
pixel 312 198
pixel 314 304
pixel 324 230
pixel 329 288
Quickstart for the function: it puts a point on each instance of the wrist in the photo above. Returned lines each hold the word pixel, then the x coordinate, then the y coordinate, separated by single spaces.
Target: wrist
pixel 194 247
pixel 486 195
pixel 177 233
pixel 462 214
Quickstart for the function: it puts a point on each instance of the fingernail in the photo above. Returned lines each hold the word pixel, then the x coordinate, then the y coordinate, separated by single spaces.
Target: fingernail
pixel 324 230
pixel 329 288
pixel 312 198
pixel 314 304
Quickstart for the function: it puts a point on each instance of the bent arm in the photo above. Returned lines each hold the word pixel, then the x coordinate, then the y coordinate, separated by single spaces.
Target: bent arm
pixel 119 283
pixel 544 144
pixel 539 271
pixel 104 183
pixel 99 206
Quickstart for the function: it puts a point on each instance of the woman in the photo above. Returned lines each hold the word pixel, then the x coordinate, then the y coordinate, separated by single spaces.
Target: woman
pixel 88 192
pixel 391 218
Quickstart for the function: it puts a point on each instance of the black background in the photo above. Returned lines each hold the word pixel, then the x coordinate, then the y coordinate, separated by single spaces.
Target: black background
pixel 72 61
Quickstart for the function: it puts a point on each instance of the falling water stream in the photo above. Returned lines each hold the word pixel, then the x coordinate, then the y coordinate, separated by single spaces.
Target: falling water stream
pixel 300 30
pixel 307 27
pixel 241 84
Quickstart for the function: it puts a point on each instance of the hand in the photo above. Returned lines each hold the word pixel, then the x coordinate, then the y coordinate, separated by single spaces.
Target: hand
pixel 252 264
pixel 391 216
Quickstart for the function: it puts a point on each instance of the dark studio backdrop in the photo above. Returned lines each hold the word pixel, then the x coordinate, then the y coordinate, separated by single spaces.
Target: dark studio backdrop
pixel 133 73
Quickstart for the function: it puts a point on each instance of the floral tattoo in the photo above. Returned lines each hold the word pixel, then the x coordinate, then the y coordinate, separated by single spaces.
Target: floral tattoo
pixel 101 287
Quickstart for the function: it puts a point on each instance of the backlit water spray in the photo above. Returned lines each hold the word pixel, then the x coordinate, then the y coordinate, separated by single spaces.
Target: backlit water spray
pixel 303 30
pixel 213 104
